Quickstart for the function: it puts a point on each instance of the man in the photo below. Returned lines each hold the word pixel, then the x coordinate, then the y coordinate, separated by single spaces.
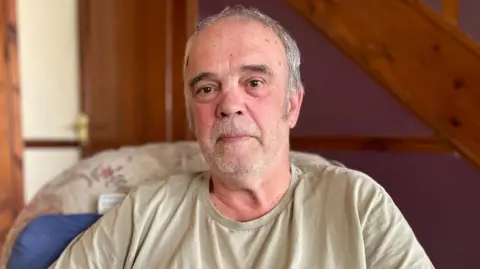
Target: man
pixel 253 208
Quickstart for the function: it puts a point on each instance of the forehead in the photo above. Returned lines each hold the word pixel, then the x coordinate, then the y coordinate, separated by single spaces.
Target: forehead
pixel 236 42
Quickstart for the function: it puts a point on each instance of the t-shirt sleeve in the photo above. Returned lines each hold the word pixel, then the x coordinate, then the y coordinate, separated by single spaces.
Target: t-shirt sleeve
pixel 390 243
pixel 105 244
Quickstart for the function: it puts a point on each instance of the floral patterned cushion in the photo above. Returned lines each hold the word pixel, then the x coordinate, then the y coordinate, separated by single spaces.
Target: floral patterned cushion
pixel 77 189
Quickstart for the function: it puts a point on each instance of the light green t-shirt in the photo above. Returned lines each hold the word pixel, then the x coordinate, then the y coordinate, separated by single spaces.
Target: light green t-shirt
pixel 331 217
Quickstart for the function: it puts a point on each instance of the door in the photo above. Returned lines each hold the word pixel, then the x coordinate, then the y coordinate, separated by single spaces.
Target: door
pixel 131 55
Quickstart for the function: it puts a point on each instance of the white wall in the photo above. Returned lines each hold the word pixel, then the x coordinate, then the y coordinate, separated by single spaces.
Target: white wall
pixel 49 81
pixel 44 163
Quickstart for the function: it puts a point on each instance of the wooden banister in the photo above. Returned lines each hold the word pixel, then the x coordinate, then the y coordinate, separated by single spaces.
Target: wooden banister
pixel 424 61
pixel 450 11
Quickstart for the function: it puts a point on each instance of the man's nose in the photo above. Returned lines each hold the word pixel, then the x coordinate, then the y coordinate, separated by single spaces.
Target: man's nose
pixel 231 104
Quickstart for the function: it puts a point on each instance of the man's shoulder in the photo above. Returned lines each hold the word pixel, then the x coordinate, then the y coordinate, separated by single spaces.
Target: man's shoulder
pixel 329 173
pixel 333 178
pixel 366 204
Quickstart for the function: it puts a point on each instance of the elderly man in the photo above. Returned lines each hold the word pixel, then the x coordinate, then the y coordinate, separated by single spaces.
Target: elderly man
pixel 253 208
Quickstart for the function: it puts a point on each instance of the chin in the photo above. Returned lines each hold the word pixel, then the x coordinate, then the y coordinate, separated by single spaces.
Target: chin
pixel 239 164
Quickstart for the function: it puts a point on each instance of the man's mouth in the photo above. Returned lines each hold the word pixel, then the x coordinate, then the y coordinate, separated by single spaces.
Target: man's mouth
pixel 233 138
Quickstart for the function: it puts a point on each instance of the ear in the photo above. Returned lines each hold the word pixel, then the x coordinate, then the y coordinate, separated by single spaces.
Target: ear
pixel 294 104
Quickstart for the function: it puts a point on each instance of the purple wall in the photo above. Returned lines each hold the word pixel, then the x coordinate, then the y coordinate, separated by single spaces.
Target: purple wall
pixel 436 192
pixel 469 19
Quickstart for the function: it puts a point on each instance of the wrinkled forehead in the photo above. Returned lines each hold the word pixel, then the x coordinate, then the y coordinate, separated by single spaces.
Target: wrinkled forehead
pixel 238 42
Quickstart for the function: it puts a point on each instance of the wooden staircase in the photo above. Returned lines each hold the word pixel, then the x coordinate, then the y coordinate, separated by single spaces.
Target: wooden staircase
pixel 419 56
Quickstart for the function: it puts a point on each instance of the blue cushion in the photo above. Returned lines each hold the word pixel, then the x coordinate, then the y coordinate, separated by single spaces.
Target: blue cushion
pixel 43 240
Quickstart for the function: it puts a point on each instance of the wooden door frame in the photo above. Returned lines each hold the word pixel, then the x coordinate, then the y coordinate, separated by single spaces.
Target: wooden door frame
pixel 11 140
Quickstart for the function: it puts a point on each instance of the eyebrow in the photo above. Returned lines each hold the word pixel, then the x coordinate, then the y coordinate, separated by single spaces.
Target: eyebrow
pixel 200 77
pixel 257 68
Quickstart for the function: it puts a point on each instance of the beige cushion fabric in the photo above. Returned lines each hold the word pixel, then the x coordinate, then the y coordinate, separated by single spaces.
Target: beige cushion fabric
pixel 77 189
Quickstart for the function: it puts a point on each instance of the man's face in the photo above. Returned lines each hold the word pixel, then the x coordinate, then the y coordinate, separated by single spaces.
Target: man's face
pixel 237 77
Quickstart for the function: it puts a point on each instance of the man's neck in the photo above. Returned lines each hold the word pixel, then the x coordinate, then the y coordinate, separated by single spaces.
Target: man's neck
pixel 244 202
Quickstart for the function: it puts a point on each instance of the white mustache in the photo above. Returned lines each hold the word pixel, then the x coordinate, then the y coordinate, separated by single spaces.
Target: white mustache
pixel 231 127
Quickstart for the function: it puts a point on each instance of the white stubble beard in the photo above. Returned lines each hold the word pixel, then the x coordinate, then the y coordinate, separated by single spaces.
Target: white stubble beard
pixel 256 154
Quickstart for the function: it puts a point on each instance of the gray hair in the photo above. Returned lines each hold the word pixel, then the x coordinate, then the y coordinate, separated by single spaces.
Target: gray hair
pixel 291 48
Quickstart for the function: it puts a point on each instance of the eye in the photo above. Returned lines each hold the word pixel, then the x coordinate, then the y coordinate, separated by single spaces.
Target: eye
pixel 204 90
pixel 254 83
pixel 205 93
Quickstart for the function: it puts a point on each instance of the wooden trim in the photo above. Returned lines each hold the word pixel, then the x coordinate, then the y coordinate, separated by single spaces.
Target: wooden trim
pixel 184 21
pixel 427 64
pixel 84 35
pixel 11 146
pixel 397 144
pixel 408 144
pixel 14 98
pixel 169 60
pixel 51 143
pixel 450 11
pixel 84 50
pixel 192 16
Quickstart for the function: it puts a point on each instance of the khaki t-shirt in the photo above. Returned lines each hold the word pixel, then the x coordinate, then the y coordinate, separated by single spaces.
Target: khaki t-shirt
pixel 330 218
